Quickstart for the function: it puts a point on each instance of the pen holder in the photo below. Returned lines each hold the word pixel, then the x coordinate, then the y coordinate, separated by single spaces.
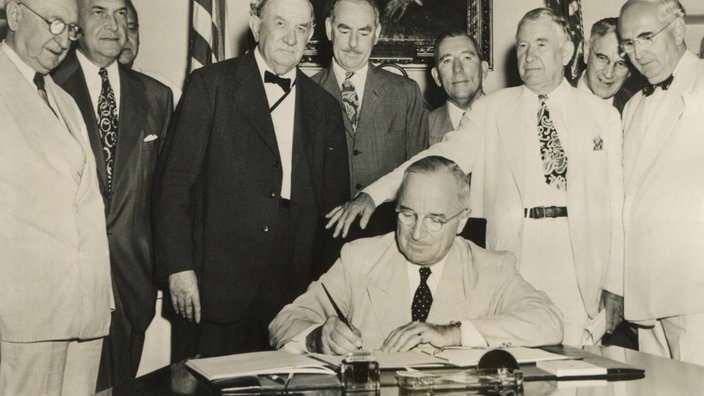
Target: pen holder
pixel 360 372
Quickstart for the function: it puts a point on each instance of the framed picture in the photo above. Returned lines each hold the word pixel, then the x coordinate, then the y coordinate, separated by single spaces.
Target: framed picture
pixel 409 29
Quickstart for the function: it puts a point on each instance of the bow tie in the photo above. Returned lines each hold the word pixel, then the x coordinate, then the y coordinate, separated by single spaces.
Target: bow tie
pixel 284 83
pixel 665 84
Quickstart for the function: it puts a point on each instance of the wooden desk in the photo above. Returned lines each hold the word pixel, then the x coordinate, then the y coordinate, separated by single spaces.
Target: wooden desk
pixel 662 377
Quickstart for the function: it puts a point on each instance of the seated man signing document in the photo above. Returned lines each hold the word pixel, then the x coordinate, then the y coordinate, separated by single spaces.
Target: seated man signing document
pixel 423 285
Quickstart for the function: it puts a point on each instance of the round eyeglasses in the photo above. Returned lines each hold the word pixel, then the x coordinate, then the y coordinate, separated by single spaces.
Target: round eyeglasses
pixel 57 26
pixel 620 66
pixel 645 40
pixel 431 223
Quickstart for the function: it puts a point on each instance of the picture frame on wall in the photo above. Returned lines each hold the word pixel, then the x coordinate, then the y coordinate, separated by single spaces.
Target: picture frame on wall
pixel 409 29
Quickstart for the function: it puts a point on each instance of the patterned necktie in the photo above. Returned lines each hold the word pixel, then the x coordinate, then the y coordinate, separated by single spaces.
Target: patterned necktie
pixel 350 100
pixel 107 123
pixel 41 89
pixel 551 152
pixel 422 299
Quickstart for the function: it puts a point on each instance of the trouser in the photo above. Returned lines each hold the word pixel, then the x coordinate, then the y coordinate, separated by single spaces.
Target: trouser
pixel 678 337
pixel 68 368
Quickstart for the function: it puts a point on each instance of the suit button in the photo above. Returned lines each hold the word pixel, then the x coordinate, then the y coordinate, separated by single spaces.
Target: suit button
pixel 265 228
pixel 358 186
pixel 356 152
pixel 272 195
pixel 276 164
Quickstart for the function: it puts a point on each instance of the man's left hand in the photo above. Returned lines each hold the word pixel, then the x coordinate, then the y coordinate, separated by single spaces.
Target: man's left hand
pixel 412 334
pixel 613 305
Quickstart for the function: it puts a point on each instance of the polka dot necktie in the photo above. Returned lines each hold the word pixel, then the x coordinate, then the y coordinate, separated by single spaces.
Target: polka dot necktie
pixel 107 123
pixel 551 152
pixel 350 100
pixel 422 299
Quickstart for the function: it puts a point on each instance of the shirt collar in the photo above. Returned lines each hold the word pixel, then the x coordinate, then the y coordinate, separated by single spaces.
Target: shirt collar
pixel 360 75
pixel 23 68
pixel 91 69
pixel 455 113
pixel 263 67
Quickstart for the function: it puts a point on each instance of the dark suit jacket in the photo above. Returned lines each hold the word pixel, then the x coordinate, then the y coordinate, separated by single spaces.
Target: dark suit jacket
pixel 392 127
pixel 218 192
pixel 145 111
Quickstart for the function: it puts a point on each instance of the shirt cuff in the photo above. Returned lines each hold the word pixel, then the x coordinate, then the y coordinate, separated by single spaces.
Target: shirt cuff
pixel 297 344
pixel 470 336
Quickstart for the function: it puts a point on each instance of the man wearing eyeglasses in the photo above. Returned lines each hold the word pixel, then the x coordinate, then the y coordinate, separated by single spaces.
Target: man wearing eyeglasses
pixel 422 285
pixel 55 291
pixel 127 114
pixel 607 68
pixel 663 162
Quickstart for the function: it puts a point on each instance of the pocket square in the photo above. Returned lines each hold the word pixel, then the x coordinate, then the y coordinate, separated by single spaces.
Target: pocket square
pixel 151 137
pixel 598 144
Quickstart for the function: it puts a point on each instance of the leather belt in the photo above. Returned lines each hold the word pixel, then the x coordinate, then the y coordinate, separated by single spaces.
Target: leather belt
pixel 540 212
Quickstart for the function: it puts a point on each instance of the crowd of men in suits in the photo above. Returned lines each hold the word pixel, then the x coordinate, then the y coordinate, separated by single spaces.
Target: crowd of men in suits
pixel 232 202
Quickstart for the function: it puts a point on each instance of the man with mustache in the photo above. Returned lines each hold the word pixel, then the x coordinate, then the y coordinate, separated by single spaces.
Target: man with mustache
pixel 460 71
pixel 127 114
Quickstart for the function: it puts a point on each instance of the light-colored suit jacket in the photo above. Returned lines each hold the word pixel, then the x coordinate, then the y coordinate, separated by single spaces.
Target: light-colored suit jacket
pixel 392 126
pixel 664 204
pixel 370 284
pixel 490 145
pixel 54 263
pixel 440 123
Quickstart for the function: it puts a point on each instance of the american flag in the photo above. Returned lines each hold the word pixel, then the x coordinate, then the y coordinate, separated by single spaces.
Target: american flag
pixel 571 10
pixel 206 44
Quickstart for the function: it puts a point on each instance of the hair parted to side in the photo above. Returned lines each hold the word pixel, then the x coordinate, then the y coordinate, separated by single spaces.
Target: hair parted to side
pixel 436 165
pixel 333 3
pixel 455 33
pixel 256 7
pixel 537 13
pixel 603 27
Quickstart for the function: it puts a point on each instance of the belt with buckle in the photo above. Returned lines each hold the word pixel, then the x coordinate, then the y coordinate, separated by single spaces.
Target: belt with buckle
pixel 540 212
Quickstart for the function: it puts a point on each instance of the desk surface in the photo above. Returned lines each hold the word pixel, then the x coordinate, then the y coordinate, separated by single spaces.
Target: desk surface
pixel 662 377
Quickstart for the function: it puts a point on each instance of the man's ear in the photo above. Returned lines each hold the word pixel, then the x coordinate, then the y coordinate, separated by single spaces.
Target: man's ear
pixel 328 28
pixel 436 76
pixel 13 16
pixel 679 30
pixel 464 217
pixel 377 34
pixel 567 52
pixel 254 25
pixel 585 55
pixel 485 69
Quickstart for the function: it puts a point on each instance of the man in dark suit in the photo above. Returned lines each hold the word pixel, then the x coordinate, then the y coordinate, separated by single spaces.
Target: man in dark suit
pixel 460 71
pixel 127 114
pixel 255 157
pixel 607 68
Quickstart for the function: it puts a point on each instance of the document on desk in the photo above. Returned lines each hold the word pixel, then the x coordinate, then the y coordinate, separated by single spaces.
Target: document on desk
pixel 257 363
pixel 468 357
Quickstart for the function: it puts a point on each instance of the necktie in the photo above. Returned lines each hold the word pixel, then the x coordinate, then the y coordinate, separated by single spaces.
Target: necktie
pixel 107 123
pixel 422 299
pixel 350 100
pixel 665 84
pixel 284 83
pixel 551 152
pixel 41 89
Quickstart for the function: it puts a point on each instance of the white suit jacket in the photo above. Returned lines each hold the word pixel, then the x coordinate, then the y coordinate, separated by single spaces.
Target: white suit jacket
pixel 664 205
pixel 54 265
pixel 490 145
pixel 369 282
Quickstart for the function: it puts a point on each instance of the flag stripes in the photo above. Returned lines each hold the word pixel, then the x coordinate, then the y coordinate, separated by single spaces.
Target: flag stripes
pixel 207 33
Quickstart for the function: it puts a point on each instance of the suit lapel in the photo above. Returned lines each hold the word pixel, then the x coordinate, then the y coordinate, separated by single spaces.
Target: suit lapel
pixel 390 291
pixel 511 132
pixel 303 127
pixel 447 298
pixel 70 77
pixel 446 122
pixel 373 92
pixel 133 118
pixel 248 92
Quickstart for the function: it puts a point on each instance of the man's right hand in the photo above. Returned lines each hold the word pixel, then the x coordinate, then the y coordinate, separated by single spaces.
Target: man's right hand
pixel 185 298
pixel 335 338
pixel 344 215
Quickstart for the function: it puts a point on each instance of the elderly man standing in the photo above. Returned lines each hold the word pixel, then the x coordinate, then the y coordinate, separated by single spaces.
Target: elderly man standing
pixel 460 71
pixel 539 153
pixel 55 292
pixel 663 162
pixel 607 67
pixel 384 117
pixel 127 114
pixel 422 285
pixel 256 156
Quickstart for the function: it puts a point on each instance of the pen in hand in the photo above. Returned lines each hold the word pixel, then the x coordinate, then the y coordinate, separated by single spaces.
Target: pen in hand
pixel 339 313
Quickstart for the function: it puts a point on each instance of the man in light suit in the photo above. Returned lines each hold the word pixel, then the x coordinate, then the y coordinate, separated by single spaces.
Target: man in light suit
pixel 663 158
pixel 508 141
pixel 256 156
pixel 476 297
pixel 389 124
pixel 607 67
pixel 141 113
pixel 55 292
pixel 460 71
